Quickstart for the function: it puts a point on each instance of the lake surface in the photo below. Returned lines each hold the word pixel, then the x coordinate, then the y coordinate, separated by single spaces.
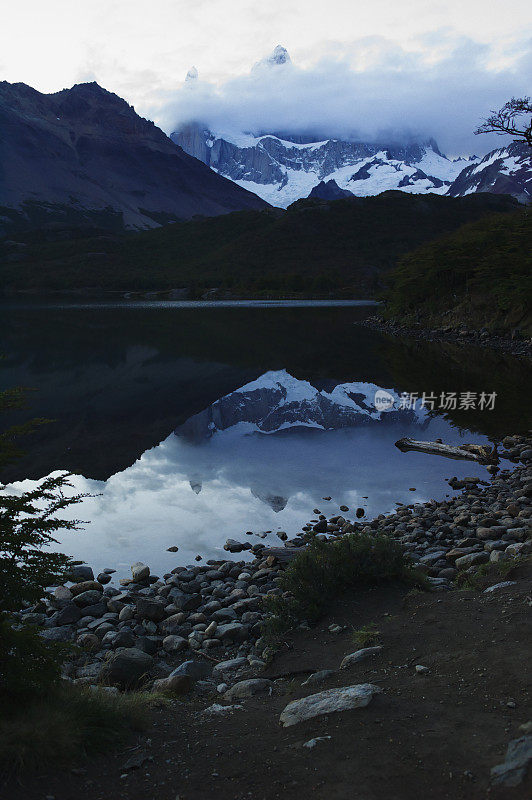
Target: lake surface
pixel 118 379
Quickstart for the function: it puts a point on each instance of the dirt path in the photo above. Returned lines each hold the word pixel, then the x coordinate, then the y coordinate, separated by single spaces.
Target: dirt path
pixel 433 735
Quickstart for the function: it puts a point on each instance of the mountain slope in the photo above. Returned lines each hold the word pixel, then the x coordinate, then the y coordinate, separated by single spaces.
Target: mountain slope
pixel 85 150
pixel 282 170
pixel 507 170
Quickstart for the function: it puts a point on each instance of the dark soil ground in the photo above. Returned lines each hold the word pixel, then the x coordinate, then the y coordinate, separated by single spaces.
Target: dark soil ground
pixel 434 735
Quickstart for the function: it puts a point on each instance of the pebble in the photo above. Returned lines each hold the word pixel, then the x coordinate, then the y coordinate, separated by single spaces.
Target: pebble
pixel 311 743
pixel 218 709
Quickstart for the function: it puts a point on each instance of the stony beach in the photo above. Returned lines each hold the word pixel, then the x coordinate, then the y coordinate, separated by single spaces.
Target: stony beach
pixel 515 344
pixel 199 626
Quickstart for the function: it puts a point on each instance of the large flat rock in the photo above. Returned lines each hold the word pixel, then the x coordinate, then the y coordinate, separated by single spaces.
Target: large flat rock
pixel 328 702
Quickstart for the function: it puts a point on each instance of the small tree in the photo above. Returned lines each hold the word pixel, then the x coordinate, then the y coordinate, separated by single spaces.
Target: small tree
pixel 27 522
pixel 28 664
pixel 503 121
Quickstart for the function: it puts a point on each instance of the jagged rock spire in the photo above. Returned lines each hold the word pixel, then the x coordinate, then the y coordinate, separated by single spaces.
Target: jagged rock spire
pixel 277 58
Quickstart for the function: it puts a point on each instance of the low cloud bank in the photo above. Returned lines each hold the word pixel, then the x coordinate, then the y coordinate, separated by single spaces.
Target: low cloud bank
pixel 371 89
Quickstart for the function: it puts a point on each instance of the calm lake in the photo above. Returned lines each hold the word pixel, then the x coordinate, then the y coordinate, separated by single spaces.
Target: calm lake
pixel 117 379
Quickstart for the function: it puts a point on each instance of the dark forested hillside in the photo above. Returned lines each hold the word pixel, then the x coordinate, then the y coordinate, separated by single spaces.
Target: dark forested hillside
pixel 481 274
pixel 315 246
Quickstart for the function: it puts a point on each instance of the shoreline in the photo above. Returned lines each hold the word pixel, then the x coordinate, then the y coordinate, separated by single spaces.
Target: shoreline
pixel 215 611
pixel 441 671
pixel 461 335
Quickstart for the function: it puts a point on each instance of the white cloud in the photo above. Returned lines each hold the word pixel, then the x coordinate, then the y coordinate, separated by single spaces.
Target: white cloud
pixel 441 85
pixel 459 58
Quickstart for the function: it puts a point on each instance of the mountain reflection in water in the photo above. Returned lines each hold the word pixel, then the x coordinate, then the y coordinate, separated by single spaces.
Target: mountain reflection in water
pixel 196 491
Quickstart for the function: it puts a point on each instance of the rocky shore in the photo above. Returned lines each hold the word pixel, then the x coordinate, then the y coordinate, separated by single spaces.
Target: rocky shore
pixel 199 627
pixel 515 344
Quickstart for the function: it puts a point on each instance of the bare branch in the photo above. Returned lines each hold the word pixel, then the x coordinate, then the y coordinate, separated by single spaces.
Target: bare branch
pixel 503 121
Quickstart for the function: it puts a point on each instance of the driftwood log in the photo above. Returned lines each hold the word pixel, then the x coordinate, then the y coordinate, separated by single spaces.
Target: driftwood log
pixel 482 454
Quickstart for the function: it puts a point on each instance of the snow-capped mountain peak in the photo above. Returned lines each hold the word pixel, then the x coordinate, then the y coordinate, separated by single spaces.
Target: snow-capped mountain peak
pixel 507 170
pixel 192 74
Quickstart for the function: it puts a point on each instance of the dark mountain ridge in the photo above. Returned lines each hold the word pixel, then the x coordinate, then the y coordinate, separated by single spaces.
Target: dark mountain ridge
pixel 84 154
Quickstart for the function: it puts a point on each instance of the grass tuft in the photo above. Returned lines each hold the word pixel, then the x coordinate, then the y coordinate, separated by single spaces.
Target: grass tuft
pixel 367 636
pixel 72 721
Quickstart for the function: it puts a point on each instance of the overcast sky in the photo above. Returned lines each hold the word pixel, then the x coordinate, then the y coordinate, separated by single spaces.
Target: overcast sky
pixel 415 66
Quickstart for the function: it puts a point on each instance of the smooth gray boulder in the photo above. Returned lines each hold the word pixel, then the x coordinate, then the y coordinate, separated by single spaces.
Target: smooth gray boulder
pixel 231 665
pixel 64 633
pixel 184 601
pixel 244 689
pixel 359 655
pixel 67 615
pixel 328 702
pixel 174 644
pixel 96 610
pixel 232 632
pixel 80 572
pixel 127 667
pixel 88 598
pixel 140 571
pixel 197 670
pixel 518 760
pixel 472 559
pixel 318 677
pixel 152 609
pixel 172 624
pixel 114 639
pixel 173 684
pixel 61 596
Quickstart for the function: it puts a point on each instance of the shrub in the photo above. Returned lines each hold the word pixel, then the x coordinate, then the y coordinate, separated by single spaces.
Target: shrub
pixel 367 636
pixel 324 570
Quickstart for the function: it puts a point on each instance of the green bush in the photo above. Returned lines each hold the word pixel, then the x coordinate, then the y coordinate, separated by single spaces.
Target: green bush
pixel 27 525
pixel 326 569
pixel 490 573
